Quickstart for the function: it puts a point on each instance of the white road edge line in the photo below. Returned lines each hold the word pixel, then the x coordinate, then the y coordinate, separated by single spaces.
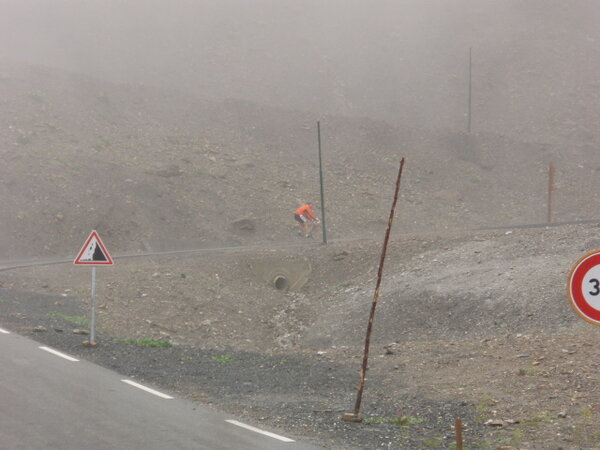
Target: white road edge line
pixel 147 389
pixel 4 331
pixel 258 430
pixel 57 353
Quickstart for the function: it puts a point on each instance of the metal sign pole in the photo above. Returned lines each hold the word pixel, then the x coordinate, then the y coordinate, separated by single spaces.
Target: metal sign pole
pixel 93 322
pixel 93 253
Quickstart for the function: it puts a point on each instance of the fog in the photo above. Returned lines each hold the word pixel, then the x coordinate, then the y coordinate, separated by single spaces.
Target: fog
pixel 535 63
pixel 88 142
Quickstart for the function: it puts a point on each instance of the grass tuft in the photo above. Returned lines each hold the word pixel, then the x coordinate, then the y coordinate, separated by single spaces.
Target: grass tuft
pixel 402 420
pixel 147 342
pixel 223 358
pixel 77 320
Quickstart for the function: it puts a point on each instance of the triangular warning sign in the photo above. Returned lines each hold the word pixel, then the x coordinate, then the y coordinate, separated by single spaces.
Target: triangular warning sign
pixel 93 252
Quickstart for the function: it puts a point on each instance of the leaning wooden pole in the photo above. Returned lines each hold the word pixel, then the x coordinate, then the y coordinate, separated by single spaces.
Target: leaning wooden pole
pixel 363 371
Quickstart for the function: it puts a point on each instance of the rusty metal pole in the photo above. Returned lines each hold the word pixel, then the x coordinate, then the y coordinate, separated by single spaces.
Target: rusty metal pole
pixel 551 188
pixel 459 437
pixel 355 417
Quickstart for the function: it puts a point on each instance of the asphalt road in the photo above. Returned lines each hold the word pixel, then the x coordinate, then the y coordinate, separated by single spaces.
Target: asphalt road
pixel 49 400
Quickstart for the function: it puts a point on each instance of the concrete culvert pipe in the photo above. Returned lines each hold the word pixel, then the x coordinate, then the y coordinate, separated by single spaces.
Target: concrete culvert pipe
pixel 283 274
pixel 281 283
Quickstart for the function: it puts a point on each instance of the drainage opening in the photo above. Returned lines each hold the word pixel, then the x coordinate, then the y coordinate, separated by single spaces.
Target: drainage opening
pixel 281 283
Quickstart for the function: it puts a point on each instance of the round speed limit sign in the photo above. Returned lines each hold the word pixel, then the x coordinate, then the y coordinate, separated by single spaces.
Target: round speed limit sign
pixel 584 287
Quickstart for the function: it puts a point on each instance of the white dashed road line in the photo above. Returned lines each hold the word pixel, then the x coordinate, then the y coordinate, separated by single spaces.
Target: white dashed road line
pixel 147 389
pixel 57 353
pixel 4 331
pixel 258 430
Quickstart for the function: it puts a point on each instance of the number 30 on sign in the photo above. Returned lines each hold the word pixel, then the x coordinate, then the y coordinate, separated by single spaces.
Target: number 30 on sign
pixel 584 287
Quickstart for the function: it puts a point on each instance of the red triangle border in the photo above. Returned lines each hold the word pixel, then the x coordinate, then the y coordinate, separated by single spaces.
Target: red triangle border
pixel 108 262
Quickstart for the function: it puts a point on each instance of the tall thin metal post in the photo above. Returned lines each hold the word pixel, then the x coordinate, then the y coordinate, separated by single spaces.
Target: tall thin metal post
pixel 363 370
pixel 93 321
pixel 470 96
pixel 321 181
pixel 551 188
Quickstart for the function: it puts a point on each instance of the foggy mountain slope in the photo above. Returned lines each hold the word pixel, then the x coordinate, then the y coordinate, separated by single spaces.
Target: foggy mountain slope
pixel 535 62
pixel 155 169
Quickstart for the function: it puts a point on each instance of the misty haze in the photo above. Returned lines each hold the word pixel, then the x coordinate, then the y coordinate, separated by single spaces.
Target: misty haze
pixel 185 134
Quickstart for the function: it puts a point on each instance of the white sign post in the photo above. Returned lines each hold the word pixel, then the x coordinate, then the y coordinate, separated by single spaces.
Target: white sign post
pixel 584 287
pixel 93 253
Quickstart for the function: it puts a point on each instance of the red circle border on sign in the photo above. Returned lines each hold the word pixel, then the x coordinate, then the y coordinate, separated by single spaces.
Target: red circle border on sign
pixel 575 291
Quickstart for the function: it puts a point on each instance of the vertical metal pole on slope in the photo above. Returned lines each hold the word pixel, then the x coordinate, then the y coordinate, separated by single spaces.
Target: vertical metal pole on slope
pixel 93 321
pixel 321 181
pixel 469 111
pixel 551 172
pixel 363 370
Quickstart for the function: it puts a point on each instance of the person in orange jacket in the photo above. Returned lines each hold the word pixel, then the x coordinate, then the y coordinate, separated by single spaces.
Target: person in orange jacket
pixel 306 219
